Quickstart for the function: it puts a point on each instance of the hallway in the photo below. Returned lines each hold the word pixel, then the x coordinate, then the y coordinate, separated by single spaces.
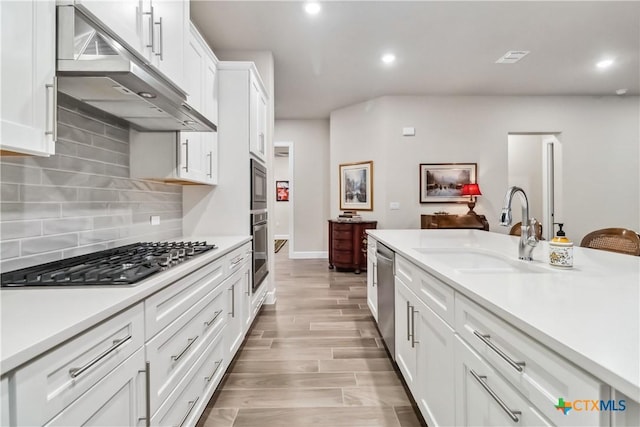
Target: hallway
pixel 313 359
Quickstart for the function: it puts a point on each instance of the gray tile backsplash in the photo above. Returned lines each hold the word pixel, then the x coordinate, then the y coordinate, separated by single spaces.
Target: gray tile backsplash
pixel 81 200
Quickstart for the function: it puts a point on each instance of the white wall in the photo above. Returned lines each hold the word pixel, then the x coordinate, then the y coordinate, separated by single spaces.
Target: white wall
pixel 281 209
pixel 525 170
pixel 310 140
pixel 600 138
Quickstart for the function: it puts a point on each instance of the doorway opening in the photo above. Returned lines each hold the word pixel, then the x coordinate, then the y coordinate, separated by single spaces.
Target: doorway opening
pixel 285 196
pixel 535 165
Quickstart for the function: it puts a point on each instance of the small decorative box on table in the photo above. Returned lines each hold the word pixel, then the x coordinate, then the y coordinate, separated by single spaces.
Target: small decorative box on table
pixel 348 244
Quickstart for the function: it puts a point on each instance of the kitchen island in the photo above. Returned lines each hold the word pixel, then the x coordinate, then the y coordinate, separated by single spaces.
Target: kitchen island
pixel 586 317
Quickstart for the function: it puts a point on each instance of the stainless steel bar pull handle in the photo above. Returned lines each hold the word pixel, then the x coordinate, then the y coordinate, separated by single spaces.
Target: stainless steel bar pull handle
pixel 210 377
pixel 210 174
pixel 52 128
pixel 147 391
pixel 76 372
pixel 161 43
pixel 233 301
pixel 186 155
pixel 408 321
pixel 413 328
pixel 481 379
pixel 192 404
pixel 151 32
pixel 215 316
pixel 518 366
pixel 190 342
pixel 248 284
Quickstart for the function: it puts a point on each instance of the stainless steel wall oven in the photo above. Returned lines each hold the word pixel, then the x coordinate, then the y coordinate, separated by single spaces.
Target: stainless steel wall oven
pixel 259 231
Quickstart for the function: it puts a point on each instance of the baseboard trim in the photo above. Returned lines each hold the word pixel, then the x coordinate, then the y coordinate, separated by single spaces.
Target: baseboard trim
pixel 281 236
pixel 310 255
pixel 271 297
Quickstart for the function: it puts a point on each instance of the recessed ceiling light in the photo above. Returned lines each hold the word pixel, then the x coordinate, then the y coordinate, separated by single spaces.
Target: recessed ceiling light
pixel 621 91
pixel 312 8
pixel 605 63
pixel 388 58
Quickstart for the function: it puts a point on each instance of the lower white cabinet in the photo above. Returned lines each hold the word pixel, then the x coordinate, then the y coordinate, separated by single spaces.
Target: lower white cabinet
pixel 236 287
pixel 173 351
pixel 47 386
pixel 185 405
pixel 116 400
pixel 4 401
pixel 484 398
pixel 425 355
pixel 372 282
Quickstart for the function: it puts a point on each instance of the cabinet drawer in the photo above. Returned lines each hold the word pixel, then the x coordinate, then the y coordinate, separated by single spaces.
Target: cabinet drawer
pixel 437 295
pixel 117 400
pixel 167 305
pixel 257 300
pixel 342 227
pixel 237 257
pixel 172 352
pixel 185 405
pixel 343 245
pixel 342 235
pixel 478 389
pixel 544 376
pixel 342 257
pixel 50 383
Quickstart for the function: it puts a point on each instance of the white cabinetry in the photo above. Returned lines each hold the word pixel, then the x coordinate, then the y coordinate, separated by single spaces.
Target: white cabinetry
pixel 484 398
pixel 372 277
pixel 4 401
pixel 89 369
pixel 257 119
pixel 28 87
pixel 184 157
pixel 424 353
pixel 238 287
pixel 243 83
pixel 166 40
pixel 537 373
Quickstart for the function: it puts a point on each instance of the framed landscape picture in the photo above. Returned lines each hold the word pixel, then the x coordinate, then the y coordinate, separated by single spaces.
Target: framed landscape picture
pixel 282 191
pixel 356 186
pixel 442 182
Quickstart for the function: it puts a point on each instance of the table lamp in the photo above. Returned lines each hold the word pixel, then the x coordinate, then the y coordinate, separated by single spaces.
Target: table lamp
pixel 471 190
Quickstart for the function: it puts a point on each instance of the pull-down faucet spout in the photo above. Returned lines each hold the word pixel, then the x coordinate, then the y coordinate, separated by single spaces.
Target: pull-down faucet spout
pixel 528 238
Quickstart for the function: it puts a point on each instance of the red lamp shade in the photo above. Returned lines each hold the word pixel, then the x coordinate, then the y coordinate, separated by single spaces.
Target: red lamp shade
pixel 471 190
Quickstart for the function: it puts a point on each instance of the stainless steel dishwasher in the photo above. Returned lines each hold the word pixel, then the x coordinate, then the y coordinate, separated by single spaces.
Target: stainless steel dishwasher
pixel 386 297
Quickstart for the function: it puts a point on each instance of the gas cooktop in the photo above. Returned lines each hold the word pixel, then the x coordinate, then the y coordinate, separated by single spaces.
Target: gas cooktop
pixel 124 265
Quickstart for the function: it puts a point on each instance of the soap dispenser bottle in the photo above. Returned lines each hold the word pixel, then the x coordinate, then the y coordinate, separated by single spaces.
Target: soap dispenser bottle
pixel 561 249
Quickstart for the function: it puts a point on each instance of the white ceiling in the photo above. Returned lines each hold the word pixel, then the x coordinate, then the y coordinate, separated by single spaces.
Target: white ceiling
pixel 332 60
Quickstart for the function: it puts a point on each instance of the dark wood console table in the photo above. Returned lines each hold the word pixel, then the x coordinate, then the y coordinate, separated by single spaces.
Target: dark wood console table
pixel 471 221
pixel 348 244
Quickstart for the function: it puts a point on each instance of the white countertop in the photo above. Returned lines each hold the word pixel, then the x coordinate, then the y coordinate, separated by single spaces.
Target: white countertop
pixel 589 314
pixel 36 319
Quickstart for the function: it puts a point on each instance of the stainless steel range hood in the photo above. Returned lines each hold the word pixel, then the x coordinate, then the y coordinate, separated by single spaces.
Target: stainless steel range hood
pixel 96 68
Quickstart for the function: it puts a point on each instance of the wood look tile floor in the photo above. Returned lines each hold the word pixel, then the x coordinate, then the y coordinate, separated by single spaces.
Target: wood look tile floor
pixel 314 359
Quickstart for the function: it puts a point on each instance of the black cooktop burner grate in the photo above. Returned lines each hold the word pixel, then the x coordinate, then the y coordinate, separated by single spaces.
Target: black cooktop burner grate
pixel 124 265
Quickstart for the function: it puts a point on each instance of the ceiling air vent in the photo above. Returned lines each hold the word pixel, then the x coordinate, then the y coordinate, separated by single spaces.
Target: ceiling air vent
pixel 512 56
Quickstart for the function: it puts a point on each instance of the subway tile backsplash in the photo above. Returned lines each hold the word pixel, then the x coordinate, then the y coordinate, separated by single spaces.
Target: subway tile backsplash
pixel 81 200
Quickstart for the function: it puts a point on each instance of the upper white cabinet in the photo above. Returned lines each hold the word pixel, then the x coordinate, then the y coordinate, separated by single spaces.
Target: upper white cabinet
pixel 257 119
pixel 185 157
pixel 165 33
pixel 28 86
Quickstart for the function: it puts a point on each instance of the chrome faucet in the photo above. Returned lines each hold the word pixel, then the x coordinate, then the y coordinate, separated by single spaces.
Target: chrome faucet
pixel 528 238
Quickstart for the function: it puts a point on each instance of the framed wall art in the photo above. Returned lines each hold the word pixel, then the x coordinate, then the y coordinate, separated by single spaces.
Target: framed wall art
pixel 442 182
pixel 282 191
pixel 356 186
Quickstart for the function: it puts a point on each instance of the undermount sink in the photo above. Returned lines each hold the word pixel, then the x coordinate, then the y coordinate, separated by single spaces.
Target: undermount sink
pixel 475 261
